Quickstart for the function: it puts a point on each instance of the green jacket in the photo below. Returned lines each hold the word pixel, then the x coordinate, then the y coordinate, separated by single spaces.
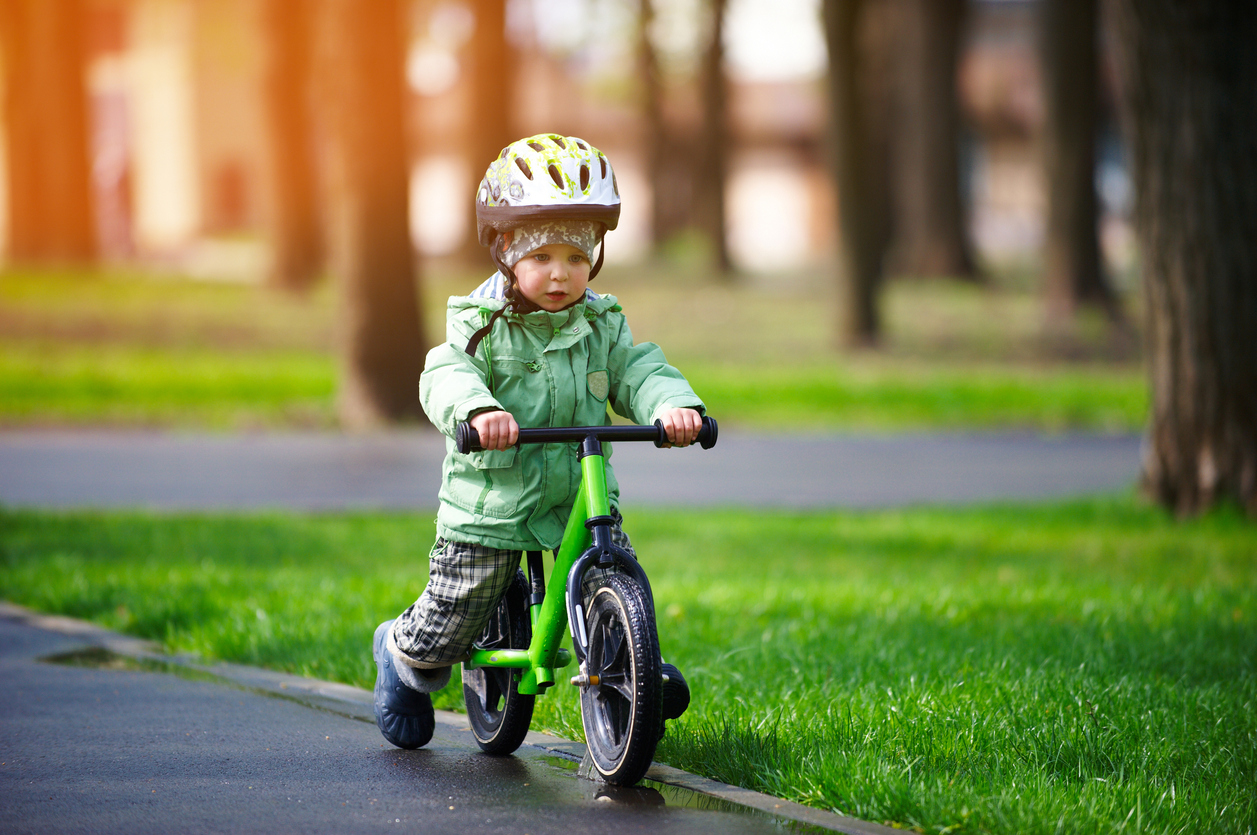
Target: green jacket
pixel 547 369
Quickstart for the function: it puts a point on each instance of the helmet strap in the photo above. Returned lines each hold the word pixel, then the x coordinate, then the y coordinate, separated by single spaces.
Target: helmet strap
pixel 513 299
pixel 602 247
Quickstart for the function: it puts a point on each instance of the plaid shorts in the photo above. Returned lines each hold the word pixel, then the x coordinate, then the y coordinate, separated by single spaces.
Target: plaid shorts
pixel 465 583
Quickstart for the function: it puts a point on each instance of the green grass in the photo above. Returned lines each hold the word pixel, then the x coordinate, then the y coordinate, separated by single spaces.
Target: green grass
pixel 1085 666
pixel 127 349
pixel 120 385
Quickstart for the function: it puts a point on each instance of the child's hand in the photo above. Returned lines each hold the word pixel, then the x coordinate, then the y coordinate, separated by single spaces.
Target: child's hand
pixel 497 430
pixel 681 426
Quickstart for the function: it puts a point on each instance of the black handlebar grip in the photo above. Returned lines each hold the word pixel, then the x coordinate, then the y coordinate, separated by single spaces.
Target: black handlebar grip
pixel 466 438
pixel 706 435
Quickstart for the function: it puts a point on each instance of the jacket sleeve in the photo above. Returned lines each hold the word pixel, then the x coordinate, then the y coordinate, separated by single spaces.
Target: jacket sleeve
pixel 642 382
pixel 453 385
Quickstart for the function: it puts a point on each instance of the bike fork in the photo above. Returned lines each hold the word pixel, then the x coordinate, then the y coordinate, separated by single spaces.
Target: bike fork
pixel 602 552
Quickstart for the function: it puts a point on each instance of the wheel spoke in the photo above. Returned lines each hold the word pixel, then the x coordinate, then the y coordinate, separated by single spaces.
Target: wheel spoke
pixel 488 689
pixel 613 708
pixel 623 688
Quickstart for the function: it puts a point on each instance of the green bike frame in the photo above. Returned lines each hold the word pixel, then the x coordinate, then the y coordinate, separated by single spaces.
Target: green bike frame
pixel 586 543
pixel 549 617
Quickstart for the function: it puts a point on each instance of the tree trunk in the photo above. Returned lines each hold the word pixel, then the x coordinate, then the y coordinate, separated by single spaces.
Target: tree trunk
pixel 656 139
pixel 1074 269
pixel 1189 104
pixel 877 49
pixel 860 254
pixel 490 62
pixel 379 336
pixel 930 216
pixel 714 151
pixel 295 223
pixel 51 217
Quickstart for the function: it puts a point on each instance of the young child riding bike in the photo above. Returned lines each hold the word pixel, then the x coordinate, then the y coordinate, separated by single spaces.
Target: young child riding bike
pixel 532 346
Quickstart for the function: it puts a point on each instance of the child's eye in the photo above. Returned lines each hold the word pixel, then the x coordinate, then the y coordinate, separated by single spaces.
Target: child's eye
pixel 542 256
pixel 576 259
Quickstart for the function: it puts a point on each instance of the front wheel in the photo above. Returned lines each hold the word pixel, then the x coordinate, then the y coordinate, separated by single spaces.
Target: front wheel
pixel 621 713
pixel 498 713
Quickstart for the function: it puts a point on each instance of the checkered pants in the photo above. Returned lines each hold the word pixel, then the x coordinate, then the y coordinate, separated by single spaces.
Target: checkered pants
pixel 465 583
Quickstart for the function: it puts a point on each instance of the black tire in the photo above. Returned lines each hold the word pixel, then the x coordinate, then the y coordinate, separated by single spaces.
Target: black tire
pixel 622 712
pixel 498 712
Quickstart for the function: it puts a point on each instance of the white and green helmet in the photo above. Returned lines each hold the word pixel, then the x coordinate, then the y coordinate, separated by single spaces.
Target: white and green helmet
pixel 546 177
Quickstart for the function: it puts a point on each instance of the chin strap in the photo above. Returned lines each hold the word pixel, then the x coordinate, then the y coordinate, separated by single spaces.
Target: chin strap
pixel 602 247
pixel 512 299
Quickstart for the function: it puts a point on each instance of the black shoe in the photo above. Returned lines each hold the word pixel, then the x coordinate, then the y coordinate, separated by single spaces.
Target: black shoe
pixel 404 716
pixel 676 693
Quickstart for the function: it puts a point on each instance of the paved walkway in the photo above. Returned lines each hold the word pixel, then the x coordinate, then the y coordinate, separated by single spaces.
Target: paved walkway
pixel 98 733
pixel 402 470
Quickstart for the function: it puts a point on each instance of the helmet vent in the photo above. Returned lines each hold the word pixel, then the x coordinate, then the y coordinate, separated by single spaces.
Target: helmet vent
pixel 603 162
pixel 559 141
pixel 556 176
pixel 536 146
pixel 584 177
pixel 523 166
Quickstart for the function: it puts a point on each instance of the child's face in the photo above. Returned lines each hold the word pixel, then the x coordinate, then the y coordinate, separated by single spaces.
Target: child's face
pixel 553 277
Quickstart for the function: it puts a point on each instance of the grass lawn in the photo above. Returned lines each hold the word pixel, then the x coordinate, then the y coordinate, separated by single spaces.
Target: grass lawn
pixel 128 349
pixel 1088 666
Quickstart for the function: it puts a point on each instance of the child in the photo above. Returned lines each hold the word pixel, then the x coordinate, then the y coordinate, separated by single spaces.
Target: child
pixel 532 346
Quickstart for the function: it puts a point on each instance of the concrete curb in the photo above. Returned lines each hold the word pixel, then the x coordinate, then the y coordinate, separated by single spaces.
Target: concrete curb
pixel 356 703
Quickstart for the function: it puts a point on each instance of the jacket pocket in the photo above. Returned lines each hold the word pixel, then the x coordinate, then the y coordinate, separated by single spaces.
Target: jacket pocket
pixel 486 483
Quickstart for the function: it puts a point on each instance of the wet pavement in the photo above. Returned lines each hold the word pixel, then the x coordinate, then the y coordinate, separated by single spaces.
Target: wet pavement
pixel 98 733
pixel 402 470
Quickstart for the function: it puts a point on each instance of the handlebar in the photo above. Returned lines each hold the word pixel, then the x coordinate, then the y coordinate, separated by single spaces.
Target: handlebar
pixel 467 439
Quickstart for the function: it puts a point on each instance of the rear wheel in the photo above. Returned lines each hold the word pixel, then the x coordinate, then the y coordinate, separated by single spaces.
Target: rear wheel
pixel 621 712
pixel 499 714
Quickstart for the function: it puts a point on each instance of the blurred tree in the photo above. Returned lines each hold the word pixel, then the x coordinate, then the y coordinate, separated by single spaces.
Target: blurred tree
pixel 379 335
pixel 713 158
pixel 50 205
pixel 1075 273
pixel 491 64
pixel 295 223
pixel 861 234
pixel 877 51
pixel 670 152
pixel 1188 73
pixel 654 127
pixel 930 234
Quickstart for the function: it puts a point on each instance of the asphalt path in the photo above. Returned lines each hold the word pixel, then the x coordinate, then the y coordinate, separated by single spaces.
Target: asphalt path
pixel 99 733
pixel 400 470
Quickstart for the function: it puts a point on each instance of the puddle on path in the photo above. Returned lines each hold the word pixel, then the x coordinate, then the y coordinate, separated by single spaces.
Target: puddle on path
pixel 654 793
pixel 100 658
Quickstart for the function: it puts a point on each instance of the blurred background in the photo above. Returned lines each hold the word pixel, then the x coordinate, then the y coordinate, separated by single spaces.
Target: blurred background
pixel 842 182
pixel 201 116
